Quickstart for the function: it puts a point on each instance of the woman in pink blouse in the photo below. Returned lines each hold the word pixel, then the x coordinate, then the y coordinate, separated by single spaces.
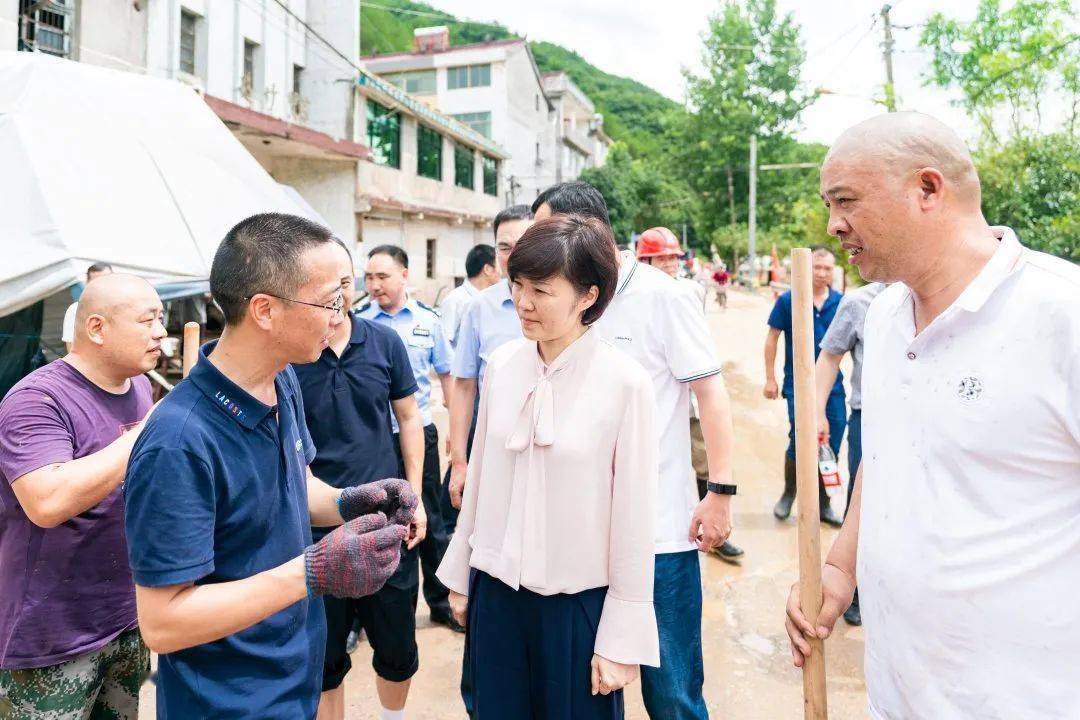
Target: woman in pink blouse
pixel 551 566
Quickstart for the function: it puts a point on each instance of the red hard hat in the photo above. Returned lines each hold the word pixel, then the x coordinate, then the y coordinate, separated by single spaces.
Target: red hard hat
pixel 658 241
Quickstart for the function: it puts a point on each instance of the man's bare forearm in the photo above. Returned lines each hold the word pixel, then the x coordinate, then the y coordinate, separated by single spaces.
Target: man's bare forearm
pixel 411 437
pixel 461 417
pixel 771 342
pixel 844 552
pixel 825 371
pixel 179 617
pixel 714 409
pixel 322 502
pixel 59 492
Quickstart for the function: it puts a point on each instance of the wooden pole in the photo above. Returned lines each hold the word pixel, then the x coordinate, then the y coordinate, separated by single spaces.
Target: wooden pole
pixel 191 346
pixel 806 447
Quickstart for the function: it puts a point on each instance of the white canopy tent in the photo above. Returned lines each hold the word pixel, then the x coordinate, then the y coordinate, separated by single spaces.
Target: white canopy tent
pixel 103 165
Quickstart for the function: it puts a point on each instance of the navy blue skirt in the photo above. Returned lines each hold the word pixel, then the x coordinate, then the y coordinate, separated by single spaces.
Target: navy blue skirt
pixel 530 654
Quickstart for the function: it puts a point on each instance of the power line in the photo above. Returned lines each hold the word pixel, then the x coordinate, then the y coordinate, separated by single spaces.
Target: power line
pixel 873 24
pixel 316 35
pixel 836 39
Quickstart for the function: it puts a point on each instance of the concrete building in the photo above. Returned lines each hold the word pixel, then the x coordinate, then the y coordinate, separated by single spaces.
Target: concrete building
pixel 111 33
pixel 580 141
pixel 432 186
pixel 286 94
pixel 376 163
pixel 493 87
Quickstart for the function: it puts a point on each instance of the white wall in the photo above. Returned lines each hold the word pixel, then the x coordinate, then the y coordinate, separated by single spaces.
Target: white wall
pixel 283 42
pixel 452 243
pixel 9 25
pixel 328 80
pixel 528 126
pixel 111 33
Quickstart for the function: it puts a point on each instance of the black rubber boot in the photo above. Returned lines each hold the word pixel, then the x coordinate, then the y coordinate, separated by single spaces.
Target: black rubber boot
pixel 782 511
pixel 853 615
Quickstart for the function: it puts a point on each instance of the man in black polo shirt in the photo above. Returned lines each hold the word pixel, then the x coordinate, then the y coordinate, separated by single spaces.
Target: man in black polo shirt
pixel 348 395
pixel 220 499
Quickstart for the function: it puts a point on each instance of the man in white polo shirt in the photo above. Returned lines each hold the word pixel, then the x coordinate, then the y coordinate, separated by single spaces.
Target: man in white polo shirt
pixel 966 517
pixel 662 326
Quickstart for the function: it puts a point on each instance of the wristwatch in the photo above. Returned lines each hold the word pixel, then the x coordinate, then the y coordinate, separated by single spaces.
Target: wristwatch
pixel 721 489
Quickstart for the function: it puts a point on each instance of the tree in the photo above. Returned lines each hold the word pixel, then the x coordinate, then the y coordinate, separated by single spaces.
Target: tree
pixel 1033 186
pixel 1007 58
pixel 641 195
pixel 752 59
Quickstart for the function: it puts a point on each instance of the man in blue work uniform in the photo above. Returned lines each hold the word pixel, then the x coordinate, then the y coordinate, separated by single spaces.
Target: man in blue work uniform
pixel 490 321
pixel 220 500
pixel 481 272
pixel 826 300
pixel 420 329
pixel 359 383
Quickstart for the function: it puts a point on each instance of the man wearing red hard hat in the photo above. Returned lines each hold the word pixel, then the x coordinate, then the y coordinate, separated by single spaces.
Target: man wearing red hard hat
pixel 660 248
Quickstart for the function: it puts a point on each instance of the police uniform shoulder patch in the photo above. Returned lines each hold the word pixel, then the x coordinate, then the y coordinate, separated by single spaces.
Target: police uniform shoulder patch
pixel 428 308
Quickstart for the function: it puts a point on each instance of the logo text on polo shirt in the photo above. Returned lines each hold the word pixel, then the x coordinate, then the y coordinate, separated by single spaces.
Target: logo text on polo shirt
pixel 970 389
pixel 228 404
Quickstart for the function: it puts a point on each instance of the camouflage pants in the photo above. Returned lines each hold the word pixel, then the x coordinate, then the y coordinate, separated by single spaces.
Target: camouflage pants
pixel 102 685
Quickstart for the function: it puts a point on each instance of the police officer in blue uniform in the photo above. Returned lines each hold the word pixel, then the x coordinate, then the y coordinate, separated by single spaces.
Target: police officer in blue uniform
pixel 419 327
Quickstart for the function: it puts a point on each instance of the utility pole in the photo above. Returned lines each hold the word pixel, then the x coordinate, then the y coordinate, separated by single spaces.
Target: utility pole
pixel 731 195
pixel 890 89
pixel 751 246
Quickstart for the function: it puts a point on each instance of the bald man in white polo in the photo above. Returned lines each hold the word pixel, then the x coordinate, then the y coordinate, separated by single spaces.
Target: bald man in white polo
pixel 964 527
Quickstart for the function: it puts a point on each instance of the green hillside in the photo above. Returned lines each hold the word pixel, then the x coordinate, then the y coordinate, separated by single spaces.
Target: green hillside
pixel 632 112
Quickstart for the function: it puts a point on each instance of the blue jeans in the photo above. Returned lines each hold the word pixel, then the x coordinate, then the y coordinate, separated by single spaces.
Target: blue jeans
pixel 835 413
pixel 673 690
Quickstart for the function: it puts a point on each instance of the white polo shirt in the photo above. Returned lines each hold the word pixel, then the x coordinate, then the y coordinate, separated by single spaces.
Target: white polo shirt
pixel 969 543
pixel 661 325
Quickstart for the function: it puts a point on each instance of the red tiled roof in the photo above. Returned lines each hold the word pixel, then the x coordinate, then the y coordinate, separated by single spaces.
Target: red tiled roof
pixel 261 122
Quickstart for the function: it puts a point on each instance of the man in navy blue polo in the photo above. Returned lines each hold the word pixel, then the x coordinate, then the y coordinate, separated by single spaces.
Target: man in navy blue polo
pixel 220 500
pixel 361 384
pixel 420 328
pixel 826 300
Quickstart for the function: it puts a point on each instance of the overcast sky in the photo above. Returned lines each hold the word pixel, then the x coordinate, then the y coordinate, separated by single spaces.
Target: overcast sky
pixel 844 51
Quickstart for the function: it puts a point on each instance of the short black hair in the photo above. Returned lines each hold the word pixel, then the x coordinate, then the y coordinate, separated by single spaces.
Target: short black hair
pixel 262 255
pixel 581 249
pixel 577 197
pixel 397 254
pixel 99 267
pixel 514 212
pixel 477 258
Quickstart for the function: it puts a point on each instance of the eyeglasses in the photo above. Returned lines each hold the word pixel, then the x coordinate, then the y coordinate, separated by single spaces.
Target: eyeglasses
pixel 335 307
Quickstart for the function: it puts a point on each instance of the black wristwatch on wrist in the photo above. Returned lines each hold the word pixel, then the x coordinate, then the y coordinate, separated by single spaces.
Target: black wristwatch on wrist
pixel 721 489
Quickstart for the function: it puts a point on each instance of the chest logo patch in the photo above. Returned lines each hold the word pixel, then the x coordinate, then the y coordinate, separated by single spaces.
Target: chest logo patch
pixel 970 389
pixel 299 445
